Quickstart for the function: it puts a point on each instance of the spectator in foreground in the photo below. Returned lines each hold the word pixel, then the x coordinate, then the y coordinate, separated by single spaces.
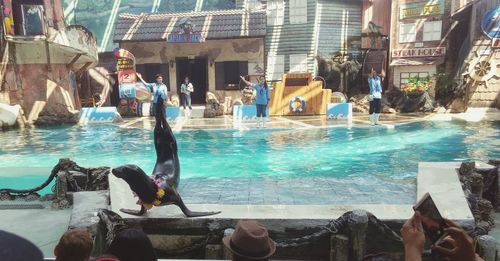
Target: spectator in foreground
pixel 250 241
pixel 16 248
pixel 414 240
pixel 132 245
pixel 74 245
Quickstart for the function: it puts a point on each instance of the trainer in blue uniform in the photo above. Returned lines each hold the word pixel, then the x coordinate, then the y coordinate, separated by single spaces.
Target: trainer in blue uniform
pixel 158 89
pixel 261 99
pixel 375 83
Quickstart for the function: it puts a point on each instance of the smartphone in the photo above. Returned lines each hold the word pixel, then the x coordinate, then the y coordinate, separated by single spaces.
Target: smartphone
pixel 432 221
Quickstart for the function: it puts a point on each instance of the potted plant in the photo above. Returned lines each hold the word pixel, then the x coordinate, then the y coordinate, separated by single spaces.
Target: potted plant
pixel 417 86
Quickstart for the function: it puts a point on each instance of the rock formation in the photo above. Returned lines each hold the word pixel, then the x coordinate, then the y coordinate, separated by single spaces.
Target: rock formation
pixel 213 108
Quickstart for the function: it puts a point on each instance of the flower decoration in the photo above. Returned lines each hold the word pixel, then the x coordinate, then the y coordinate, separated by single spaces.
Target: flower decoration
pixel 417 85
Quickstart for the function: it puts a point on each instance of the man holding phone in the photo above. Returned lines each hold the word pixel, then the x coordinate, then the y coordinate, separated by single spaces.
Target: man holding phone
pixel 414 239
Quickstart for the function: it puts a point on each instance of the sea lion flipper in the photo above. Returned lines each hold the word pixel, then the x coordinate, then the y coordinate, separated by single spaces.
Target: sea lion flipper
pixel 177 200
pixel 134 212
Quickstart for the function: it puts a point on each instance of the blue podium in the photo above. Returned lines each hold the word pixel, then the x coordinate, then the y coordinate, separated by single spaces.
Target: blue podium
pixel 99 114
pixel 172 113
pixel 341 111
pixel 246 112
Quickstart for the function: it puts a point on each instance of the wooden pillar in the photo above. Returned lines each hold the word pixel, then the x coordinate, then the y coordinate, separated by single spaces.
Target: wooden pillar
pixel 339 248
pixel 357 235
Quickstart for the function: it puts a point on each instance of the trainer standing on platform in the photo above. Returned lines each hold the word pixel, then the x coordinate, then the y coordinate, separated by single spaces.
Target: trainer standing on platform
pixel 186 90
pixel 261 99
pixel 375 98
pixel 158 89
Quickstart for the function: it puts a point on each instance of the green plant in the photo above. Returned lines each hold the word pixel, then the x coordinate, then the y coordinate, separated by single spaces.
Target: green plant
pixel 445 91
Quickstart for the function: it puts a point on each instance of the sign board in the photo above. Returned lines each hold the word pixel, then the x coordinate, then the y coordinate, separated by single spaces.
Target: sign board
pixel 256 68
pixel 125 66
pixel 185 38
pixel 419 52
pixel 421 9
pixel 491 23
pixel 184 33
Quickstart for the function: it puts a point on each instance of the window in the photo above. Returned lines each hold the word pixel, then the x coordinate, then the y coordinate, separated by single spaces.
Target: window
pixel 432 31
pixel 275 67
pixel 227 74
pixel 298 11
pixel 407 75
pixel 298 63
pixel 253 4
pixel 28 17
pixel 231 73
pixel 407 33
pixel 275 12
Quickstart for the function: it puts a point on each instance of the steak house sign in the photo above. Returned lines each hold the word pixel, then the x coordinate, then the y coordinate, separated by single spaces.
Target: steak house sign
pixel 419 52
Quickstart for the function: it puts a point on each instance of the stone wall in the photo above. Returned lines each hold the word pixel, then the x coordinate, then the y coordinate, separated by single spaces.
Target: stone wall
pixel 37 89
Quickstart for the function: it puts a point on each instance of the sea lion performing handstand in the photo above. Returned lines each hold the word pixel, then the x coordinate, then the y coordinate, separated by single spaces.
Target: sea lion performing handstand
pixel 160 188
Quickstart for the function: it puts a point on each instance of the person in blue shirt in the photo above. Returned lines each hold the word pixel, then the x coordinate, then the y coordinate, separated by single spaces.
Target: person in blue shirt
pixel 261 99
pixel 375 83
pixel 159 89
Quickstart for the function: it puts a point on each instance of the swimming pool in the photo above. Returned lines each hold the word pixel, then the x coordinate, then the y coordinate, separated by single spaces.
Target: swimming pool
pixel 311 166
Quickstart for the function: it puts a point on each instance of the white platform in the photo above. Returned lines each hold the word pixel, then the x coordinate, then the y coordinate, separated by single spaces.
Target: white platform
pixel 197 112
pixel 441 180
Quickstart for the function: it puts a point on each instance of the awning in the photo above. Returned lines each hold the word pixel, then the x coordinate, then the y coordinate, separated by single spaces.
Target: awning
pixel 417 61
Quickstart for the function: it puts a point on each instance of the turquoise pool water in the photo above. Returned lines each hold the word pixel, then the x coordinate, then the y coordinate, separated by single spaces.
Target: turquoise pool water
pixel 315 166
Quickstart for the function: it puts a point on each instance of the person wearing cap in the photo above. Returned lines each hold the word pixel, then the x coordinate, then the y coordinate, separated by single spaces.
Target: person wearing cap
pixel 250 241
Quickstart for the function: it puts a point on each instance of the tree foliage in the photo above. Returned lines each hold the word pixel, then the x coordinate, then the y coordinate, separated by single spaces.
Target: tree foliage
pixel 339 71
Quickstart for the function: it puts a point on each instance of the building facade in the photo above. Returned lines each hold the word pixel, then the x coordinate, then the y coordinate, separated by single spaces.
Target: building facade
pixel 477 70
pixel 419 43
pixel 299 31
pixel 42 58
pixel 212 48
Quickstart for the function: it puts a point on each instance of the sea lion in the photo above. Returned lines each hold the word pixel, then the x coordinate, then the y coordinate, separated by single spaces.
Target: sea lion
pixel 160 188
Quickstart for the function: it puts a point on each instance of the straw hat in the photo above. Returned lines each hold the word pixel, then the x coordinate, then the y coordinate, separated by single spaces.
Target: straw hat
pixel 250 240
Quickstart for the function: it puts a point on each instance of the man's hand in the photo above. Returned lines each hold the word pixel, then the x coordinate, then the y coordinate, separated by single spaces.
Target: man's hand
pixel 463 244
pixel 413 237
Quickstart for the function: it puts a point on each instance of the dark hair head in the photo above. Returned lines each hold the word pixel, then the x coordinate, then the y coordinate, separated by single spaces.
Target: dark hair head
pixel 132 245
pixel 186 78
pixel 158 76
pixel 74 245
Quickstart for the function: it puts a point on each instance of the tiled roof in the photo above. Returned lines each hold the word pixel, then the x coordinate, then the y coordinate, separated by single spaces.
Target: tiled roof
pixel 211 24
